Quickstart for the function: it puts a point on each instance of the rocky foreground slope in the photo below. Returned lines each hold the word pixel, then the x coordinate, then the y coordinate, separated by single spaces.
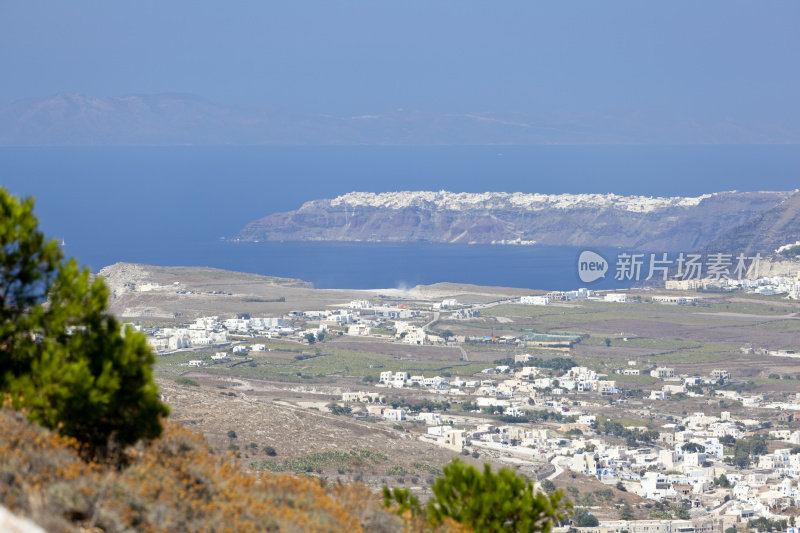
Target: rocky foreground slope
pixel 669 224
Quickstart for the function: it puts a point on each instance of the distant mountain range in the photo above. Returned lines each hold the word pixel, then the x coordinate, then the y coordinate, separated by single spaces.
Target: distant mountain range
pixel 726 221
pixel 178 119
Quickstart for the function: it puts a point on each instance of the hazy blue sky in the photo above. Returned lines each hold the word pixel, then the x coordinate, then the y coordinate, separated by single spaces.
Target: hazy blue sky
pixel 694 58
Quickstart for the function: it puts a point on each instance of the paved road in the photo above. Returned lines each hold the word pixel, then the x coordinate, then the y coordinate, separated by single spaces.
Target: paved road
pixel 558 468
pixel 435 318
pixel 463 354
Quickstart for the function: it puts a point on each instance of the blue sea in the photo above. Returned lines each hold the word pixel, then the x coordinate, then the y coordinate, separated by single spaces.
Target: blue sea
pixel 177 205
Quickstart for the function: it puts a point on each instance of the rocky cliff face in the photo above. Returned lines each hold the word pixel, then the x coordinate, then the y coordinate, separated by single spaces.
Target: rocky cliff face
pixel 669 224
pixel 764 232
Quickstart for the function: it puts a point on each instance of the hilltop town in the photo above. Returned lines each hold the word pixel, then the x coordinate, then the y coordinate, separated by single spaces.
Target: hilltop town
pixel 732 221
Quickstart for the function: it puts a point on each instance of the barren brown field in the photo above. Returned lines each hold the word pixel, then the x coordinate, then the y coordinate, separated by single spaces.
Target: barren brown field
pixel 600 499
pixel 297 425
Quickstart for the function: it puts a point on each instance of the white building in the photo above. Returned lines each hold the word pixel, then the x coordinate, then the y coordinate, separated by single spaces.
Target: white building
pixel 358 330
pixel 719 373
pixel 395 415
pixel 455 439
pixel 414 335
pixel 430 419
pixel 361 396
pixel 663 372
pixel 534 300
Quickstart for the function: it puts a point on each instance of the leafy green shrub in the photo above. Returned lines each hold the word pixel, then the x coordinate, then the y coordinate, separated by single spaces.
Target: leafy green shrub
pixel 65 360
pixel 583 518
pixel 401 501
pixel 188 381
pixel 548 486
pixel 626 512
pixel 397 470
pixel 605 494
pixel 337 409
pixel 349 461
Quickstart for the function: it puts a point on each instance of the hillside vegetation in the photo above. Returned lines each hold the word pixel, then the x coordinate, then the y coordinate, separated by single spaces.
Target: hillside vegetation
pixel 172 484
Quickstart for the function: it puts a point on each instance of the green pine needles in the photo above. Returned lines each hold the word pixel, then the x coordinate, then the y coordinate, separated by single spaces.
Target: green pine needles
pixel 483 501
pixel 64 360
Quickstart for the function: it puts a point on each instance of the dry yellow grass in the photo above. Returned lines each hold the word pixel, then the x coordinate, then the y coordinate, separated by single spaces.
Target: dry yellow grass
pixel 172 484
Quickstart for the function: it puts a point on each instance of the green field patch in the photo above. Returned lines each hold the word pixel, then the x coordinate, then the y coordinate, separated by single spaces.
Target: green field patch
pixel 263 372
pixel 780 325
pixel 642 379
pixel 655 344
pixel 758 380
pixel 280 347
pixel 333 361
pixel 179 357
pixel 349 462
pixel 590 311
pixel 751 308
pixel 186 381
pixel 698 320
pixel 525 311
pixel 632 422
pixel 707 353
pixel 552 336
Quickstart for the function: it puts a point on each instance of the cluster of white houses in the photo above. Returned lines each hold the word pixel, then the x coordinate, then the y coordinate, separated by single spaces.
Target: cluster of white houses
pixel 362 318
pixel 680 466
pixel 788 285
pixel 210 330
pixel 579 294
pixel 612 297
pixel 358 318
